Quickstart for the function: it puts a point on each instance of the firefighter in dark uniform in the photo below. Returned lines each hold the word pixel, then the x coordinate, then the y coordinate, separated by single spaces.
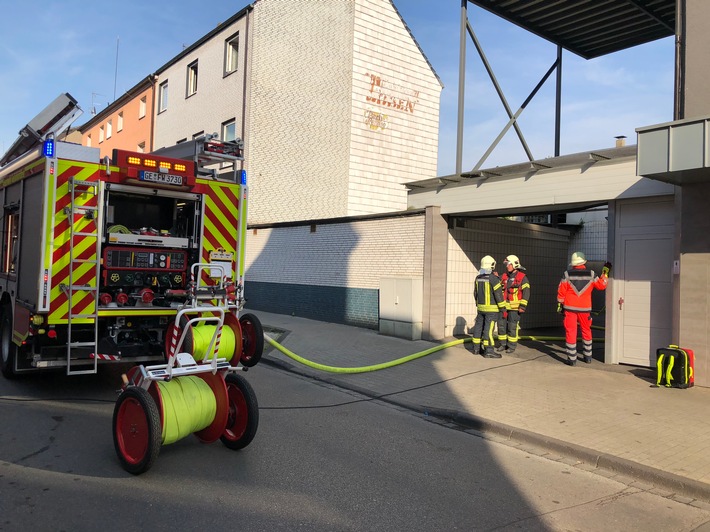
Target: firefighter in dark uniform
pixel 489 303
pixel 516 289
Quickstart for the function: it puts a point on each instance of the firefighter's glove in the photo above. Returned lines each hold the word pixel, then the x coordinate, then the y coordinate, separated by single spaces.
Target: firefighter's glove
pixel 606 269
pixel 559 308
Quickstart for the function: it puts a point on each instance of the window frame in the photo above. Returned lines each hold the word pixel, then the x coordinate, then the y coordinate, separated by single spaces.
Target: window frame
pixel 231 54
pixel 119 122
pixel 225 125
pixel 192 78
pixel 142 107
pixel 163 97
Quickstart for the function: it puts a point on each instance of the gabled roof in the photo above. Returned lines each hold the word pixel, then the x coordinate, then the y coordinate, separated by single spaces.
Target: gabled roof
pixel 417 44
pixel 590 28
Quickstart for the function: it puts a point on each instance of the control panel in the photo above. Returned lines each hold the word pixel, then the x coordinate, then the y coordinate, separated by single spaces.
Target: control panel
pixel 143 266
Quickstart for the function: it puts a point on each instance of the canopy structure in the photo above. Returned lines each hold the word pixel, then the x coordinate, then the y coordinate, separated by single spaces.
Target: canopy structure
pixel 588 28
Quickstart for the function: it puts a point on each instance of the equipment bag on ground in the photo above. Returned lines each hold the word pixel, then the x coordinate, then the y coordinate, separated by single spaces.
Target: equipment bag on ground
pixel 675 367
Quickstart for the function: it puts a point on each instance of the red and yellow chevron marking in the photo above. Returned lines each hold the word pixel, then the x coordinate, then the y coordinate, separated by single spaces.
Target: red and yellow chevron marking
pixel 220 222
pixel 84 246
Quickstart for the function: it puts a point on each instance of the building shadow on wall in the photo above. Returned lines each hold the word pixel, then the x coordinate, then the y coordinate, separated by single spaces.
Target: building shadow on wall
pixel 305 270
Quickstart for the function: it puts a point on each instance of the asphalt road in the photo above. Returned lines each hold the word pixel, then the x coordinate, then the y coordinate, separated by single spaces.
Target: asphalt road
pixel 323 459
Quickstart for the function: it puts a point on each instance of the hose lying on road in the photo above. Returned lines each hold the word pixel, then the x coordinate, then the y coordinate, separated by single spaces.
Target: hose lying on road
pixel 385 365
pixel 362 369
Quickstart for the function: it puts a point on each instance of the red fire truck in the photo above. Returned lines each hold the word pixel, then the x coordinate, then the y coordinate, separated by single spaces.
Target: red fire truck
pixel 97 256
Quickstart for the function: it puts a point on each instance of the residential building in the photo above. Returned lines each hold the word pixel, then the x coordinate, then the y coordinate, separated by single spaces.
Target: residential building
pixel 332 125
pixel 126 123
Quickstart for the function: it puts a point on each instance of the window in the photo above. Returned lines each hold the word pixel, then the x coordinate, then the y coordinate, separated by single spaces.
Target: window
pixel 163 96
pixel 198 134
pixel 141 147
pixel 141 108
pixel 229 131
pixel 101 134
pixel 88 140
pixel 9 243
pixel 119 124
pixel 191 79
pixel 231 54
pixel 109 129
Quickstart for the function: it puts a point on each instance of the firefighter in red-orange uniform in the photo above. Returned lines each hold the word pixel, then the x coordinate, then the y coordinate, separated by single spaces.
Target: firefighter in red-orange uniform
pixel 574 296
pixel 516 290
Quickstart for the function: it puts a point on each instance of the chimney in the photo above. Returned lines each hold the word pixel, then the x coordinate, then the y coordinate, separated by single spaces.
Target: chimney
pixel 620 141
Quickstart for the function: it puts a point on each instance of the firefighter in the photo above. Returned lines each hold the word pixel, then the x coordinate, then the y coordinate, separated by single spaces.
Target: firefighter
pixel 516 290
pixel 574 297
pixel 489 303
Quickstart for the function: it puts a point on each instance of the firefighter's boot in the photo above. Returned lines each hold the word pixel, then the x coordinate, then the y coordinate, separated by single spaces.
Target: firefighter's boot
pixel 490 353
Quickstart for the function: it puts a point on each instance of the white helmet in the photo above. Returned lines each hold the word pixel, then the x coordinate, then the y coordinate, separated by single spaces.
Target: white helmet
pixel 578 258
pixel 488 263
pixel 514 260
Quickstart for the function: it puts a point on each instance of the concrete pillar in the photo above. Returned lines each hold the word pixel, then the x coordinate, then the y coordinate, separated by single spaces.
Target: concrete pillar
pixel 436 234
pixel 694 248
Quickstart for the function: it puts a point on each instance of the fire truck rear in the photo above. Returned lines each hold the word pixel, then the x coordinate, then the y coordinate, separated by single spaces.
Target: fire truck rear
pixel 98 256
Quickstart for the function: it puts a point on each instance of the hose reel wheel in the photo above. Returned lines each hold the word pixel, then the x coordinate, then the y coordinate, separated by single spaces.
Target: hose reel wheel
pixel 243 417
pixel 252 340
pixel 136 430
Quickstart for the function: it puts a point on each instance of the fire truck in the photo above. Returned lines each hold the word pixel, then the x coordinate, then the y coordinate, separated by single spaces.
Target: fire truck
pixel 98 256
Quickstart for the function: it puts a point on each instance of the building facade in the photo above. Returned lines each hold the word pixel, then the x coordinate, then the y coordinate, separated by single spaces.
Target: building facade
pixel 332 125
pixel 127 123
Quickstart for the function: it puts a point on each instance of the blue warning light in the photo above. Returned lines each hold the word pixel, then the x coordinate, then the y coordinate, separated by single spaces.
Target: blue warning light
pixel 48 148
pixel 243 178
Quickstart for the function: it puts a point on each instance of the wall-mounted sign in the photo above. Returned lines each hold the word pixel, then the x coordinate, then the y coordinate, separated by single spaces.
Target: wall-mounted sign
pixel 375 120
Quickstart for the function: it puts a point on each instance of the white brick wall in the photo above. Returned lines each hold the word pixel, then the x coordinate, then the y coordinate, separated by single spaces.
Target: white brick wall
pixel 395 111
pixel 350 254
pixel 299 110
pixel 591 239
pixel 341 107
pixel 541 250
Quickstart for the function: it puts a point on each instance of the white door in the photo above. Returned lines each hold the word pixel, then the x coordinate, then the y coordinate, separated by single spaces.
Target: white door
pixel 643 289
pixel 645 298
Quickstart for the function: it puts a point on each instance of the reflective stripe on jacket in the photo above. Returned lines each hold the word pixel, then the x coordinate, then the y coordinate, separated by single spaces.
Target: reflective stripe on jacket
pixel 575 289
pixel 516 289
pixel 488 293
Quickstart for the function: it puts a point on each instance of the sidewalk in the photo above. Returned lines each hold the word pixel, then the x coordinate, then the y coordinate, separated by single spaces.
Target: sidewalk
pixel 599 417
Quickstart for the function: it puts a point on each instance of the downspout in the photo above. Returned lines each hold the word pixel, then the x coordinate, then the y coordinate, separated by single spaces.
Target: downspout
pixel 679 103
pixel 244 89
pixel 153 80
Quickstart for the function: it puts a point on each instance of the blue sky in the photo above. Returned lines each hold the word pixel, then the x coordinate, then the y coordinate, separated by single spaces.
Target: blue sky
pixel 53 46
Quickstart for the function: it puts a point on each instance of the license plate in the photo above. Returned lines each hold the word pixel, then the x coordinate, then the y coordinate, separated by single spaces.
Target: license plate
pixel 165 179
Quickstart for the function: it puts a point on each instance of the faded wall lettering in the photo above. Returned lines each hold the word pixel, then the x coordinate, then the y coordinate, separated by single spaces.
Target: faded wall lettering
pixel 392 95
pixel 375 120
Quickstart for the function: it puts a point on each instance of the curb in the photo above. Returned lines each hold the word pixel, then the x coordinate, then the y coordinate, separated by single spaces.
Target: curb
pixel 599 461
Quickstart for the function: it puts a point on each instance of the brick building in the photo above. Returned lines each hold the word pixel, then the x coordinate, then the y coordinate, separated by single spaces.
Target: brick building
pixel 333 126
